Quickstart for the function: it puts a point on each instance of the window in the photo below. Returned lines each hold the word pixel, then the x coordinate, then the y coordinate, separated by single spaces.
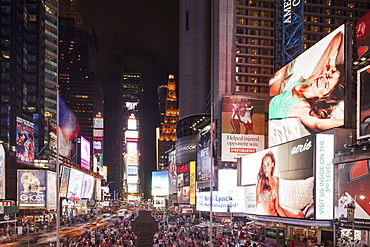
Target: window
pixel 5 98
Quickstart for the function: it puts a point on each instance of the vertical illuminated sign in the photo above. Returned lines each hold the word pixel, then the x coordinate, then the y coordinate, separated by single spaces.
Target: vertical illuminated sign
pixel 2 172
pixel 85 153
pixel 192 182
pixel 25 141
pixel 131 122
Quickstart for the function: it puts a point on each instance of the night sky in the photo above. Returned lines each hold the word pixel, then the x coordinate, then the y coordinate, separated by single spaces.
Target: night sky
pixel 137 36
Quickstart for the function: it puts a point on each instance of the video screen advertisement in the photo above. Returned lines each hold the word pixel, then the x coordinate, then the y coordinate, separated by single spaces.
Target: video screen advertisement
pixel 64 181
pixel 186 175
pixel 307 95
pixel 25 145
pixel 353 180
pixel 204 159
pixel 75 185
pixel 85 153
pixel 32 188
pixel 363 36
pixel 292 180
pixel 243 126
pixel 51 190
pixel 2 172
pixel 87 186
pixel 228 198
pixel 363 102
pixel 160 183
pixel 172 171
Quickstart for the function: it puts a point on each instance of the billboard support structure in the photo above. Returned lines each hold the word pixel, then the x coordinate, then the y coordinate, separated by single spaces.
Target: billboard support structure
pixel 57 167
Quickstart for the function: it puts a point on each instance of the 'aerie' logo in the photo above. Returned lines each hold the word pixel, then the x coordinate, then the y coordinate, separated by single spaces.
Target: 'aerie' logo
pixel 301 148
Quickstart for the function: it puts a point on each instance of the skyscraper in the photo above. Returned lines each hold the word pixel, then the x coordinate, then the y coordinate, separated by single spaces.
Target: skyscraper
pixel 167 131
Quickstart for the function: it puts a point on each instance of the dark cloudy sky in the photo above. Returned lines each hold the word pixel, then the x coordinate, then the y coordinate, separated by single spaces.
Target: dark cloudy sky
pixel 139 36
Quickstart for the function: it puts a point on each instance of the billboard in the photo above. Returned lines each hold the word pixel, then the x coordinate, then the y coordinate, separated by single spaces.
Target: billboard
pixel 186 183
pixel 75 185
pixel 186 149
pixel 307 95
pixel 25 146
pixel 51 190
pixel 2 172
pixel 172 171
pixel 31 188
pixel 243 126
pixel 160 183
pixel 85 153
pixel 285 181
pixel 222 201
pixel 87 186
pixel 363 36
pixel 64 181
pixel 203 158
pixel 132 170
pixel 363 102
pixel 354 178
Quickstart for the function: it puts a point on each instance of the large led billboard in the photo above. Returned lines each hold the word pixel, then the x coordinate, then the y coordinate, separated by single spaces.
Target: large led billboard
pixel 51 190
pixel 25 145
pixel 186 183
pixel 2 172
pixel 87 186
pixel 75 185
pixel 32 188
pixel 363 36
pixel 243 126
pixel 160 183
pixel 64 181
pixel 307 95
pixel 85 153
pixel 363 103
pixel 353 180
pixel 203 158
pixel 172 172
pixel 291 180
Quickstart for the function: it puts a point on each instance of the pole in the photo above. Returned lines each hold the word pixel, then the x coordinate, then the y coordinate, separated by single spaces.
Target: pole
pixel 211 180
pixel 57 168
pixel 353 221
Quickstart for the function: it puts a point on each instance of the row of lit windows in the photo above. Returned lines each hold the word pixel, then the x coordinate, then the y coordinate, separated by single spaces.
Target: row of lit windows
pixel 258 32
pixel 255 3
pixel 251 89
pixel 256 13
pixel 253 22
pixel 263 42
pixel 340 3
pixel 254 51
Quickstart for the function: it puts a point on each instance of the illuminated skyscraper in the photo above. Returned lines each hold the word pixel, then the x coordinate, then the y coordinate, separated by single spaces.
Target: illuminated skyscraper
pixel 166 134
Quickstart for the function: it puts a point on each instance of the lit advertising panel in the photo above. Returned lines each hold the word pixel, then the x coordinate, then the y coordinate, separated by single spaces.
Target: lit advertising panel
pixel 290 167
pixel 25 145
pixel 31 188
pixel 324 174
pixel 172 171
pixel 243 126
pixel 186 149
pixel 52 135
pixel 132 158
pixel 98 133
pixel 131 146
pixel 363 102
pixel 2 172
pixel 222 201
pixel 227 179
pixel 131 122
pixel 132 170
pixel 132 188
pixel 132 135
pixel 307 95
pixel 75 185
pixel 85 153
pixel 160 183
pixel 186 183
pixel 98 189
pixel 51 190
pixel 159 202
pixel 87 186
pixel 132 179
pixel 98 123
pixel 203 158
pixel 354 178
pixel 64 181
pixel 363 36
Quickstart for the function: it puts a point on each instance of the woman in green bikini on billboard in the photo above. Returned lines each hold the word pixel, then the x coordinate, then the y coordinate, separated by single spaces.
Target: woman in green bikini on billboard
pixel 313 99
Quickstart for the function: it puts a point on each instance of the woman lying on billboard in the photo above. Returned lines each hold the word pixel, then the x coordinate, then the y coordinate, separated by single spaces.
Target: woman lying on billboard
pixel 267 192
pixel 312 100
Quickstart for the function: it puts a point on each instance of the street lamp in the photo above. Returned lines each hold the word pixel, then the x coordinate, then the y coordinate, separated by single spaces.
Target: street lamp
pixel 351 207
